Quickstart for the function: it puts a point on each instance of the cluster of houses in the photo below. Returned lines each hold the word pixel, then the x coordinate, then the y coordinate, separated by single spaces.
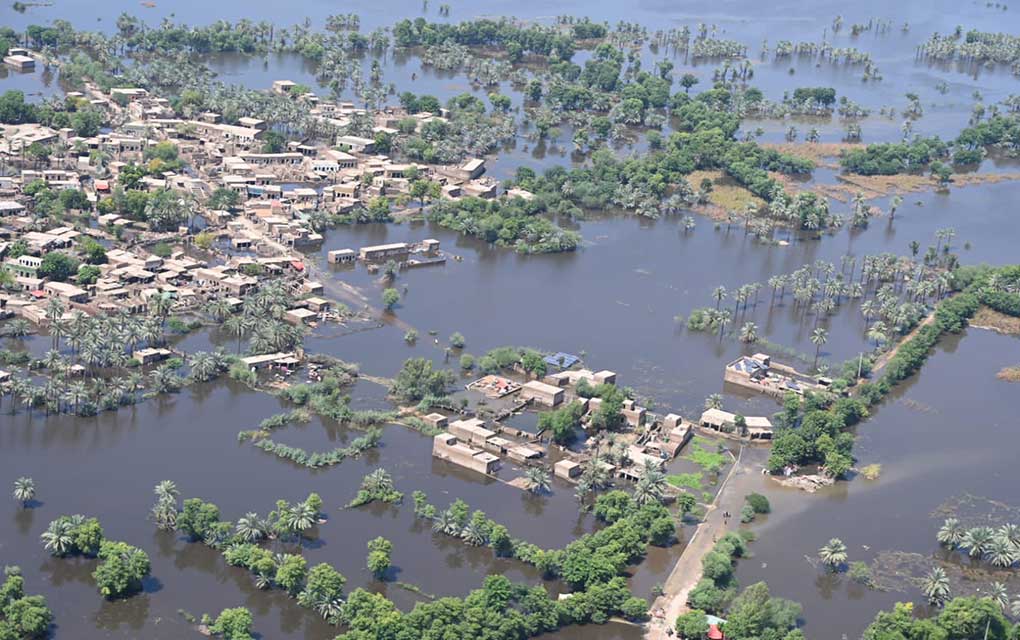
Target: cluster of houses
pixel 760 374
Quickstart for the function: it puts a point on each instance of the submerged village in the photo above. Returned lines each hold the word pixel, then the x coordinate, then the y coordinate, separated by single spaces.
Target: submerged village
pixel 447 326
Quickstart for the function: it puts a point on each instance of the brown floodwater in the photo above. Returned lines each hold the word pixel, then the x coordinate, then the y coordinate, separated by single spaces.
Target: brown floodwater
pixel 946 432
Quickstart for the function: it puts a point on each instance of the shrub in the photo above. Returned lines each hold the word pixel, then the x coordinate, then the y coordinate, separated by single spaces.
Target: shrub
pixel 758 502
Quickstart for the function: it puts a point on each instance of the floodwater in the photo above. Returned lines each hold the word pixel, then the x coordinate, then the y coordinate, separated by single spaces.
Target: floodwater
pixel 615 301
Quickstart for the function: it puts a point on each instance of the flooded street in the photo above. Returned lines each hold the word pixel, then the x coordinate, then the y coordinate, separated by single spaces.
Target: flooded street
pixel 619 301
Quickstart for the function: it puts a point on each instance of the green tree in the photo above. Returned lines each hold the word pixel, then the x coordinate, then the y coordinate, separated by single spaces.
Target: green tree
pixel 291 574
pixel 692 625
pixel 121 569
pixel 24 491
pixel 233 624
pixel 390 298
pixel 379 551
pixel 833 554
pixel 58 266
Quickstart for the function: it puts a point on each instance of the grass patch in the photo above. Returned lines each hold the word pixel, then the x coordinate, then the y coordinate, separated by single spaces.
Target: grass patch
pixel 726 193
pixel 690 481
pixel 872 471
pixel 987 318
pixel 710 461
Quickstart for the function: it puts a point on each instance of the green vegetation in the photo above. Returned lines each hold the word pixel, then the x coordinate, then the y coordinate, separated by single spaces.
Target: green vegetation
pixel 562 423
pixel 377 486
pixel 233 624
pixel 122 567
pixel 969 618
pixel 690 481
pixel 717 586
pixel 319 459
pixel 417 379
pixel 511 223
pixel 21 615
pixel 711 462
pixel 379 551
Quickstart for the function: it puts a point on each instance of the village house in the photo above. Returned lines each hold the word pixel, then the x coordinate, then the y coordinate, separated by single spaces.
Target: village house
pixel 398 251
pixel 66 292
pixel 446 446
pixel 19 59
pixel 541 393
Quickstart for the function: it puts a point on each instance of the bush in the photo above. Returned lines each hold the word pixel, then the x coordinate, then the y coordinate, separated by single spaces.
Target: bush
pixel 758 502
pixel 634 609
pixel 233 624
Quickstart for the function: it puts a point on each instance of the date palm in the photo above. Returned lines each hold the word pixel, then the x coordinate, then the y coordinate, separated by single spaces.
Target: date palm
pixel 24 491
pixel 935 586
pixel 299 518
pixel 58 539
pixel 833 554
pixel 818 338
pixel 998 593
pixel 445 523
pixel 977 541
pixel 749 332
pixel 537 480
pixel 650 487
pixel 1001 552
pixel 950 533
pixel 714 401
pixel 204 366
pixel 75 393
pixel 473 534
pixel 1010 532
pixel 719 293
pixel 251 528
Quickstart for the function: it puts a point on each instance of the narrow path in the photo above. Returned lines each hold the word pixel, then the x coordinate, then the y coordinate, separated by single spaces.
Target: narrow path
pixel 888 355
pixel 687 571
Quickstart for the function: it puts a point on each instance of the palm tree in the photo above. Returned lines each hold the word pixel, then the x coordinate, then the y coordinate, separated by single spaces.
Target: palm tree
pixel 444 522
pixel 18 328
pixel 537 480
pixel 819 337
pixel 24 491
pixel 951 533
pixel 719 293
pixel 749 332
pixel 58 539
pixel 714 401
pixel 1000 596
pixel 250 528
pixel 1014 607
pixel 650 487
pixel 166 490
pixel 75 393
pixel 1001 552
pixel 204 366
pixel 877 333
pixel 833 554
pixel 473 534
pixel 299 518
pixel 721 319
pixel 19 388
pixel 1010 532
pixel 977 541
pixel 219 309
pixel 935 586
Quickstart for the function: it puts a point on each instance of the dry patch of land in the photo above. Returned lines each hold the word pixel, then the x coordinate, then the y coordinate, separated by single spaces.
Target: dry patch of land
pixel 727 196
pixel 992 320
pixel 823 154
pixel 878 186
pixel 1009 374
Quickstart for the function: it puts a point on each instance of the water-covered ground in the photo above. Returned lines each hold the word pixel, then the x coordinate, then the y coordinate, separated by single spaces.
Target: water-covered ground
pixel 615 300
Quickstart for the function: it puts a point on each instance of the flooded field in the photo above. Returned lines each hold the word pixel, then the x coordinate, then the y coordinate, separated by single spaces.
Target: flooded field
pixel 619 301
